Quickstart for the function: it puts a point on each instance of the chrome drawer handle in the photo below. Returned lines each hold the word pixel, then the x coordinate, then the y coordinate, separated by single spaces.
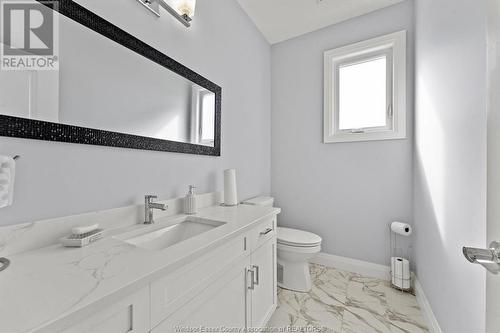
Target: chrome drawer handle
pixel 252 279
pixel 256 282
pixel 265 232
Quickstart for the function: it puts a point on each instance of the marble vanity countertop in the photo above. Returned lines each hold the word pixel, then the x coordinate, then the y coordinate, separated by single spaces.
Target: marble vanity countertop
pixel 44 286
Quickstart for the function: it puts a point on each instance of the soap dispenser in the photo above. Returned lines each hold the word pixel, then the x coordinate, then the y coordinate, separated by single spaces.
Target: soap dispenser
pixel 190 201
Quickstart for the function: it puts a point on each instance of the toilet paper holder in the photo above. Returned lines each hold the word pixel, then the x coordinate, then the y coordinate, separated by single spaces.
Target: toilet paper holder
pixel 401 276
pixel 488 258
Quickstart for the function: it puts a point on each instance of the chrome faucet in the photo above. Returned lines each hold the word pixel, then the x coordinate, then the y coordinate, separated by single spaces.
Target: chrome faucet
pixel 149 205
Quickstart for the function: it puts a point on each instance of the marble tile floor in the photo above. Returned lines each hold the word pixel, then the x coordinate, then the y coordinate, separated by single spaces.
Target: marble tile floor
pixel 344 302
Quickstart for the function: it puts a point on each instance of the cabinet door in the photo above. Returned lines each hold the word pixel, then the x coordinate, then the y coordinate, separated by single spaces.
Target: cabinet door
pixel 175 290
pixel 130 315
pixel 221 305
pixel 264 292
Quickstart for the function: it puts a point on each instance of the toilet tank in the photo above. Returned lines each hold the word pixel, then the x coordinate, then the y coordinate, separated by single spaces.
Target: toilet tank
pixel 260 201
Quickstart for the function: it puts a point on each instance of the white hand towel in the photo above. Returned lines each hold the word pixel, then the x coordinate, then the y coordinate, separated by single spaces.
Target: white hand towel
pixel 4 192
pixel 7 177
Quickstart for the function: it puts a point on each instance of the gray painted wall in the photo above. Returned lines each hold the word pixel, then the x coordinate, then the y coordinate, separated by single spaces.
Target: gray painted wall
pixel 57 179
pixel 345 192
pixel 450 160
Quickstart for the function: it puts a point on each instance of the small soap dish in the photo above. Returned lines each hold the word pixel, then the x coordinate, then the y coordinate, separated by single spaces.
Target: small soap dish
pixel 83 236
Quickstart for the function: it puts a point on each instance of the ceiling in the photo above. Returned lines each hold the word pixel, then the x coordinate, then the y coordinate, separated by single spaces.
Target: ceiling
pixel 280 20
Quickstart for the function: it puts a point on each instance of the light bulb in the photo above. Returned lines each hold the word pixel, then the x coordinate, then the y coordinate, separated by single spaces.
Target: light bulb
pixel 186 7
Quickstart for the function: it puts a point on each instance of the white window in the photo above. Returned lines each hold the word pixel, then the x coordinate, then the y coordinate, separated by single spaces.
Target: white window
pixel 365 90
pixel 207 121
pixel 203 116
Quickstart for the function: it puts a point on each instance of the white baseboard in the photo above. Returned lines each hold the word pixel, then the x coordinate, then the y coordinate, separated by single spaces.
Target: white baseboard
pixel 353 265
pixel 381 272
pixel 426 308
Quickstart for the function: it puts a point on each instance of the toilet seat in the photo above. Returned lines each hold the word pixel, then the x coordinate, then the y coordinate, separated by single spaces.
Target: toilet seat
pixel 297 238
pixel 299 249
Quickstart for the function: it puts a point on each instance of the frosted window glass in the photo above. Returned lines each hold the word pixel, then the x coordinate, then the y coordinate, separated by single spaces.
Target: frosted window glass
pixel 363 94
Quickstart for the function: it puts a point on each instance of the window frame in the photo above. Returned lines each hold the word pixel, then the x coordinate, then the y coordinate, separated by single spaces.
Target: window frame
pixel 197 95
pixel 201 114
pixel 393 46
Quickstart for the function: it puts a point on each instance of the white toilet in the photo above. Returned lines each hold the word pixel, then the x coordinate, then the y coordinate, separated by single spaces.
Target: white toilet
pixel 295 248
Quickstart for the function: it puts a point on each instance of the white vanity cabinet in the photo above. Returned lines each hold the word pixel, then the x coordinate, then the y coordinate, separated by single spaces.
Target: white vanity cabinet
pixel 232 284
pixel 179 294
pixel 222 304
pixel 239 294
pixel 263 291
pixel 129 315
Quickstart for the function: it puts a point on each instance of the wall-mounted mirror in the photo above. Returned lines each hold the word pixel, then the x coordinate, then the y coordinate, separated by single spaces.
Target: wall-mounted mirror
pixel 110 89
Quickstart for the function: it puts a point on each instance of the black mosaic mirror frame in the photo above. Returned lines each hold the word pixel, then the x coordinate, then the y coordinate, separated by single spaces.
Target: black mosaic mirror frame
pixel 42 130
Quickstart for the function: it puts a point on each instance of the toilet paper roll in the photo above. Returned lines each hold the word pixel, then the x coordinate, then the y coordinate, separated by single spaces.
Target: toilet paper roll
pixel 400 267
pixel 400 271
pixel 401 228
pixel 230 191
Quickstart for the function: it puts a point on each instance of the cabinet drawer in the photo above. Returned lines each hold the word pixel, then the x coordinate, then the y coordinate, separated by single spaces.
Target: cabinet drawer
pixel 129 315
pixel 263 232
pixel 174 290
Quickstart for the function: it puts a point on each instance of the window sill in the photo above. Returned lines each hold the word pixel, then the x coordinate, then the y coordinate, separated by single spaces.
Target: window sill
pixel 358 137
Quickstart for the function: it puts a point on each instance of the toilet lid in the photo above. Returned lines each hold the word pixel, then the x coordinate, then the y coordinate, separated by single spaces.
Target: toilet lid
pixel 295 237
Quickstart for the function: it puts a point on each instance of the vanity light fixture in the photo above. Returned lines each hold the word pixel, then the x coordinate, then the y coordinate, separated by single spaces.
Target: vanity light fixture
pixel 185 8
pixel 182 10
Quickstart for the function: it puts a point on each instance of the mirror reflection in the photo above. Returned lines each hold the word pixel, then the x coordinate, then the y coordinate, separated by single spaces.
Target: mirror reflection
pixel 104 85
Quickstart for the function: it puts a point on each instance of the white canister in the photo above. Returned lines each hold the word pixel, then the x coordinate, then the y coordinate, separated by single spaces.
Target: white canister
pixel 230 191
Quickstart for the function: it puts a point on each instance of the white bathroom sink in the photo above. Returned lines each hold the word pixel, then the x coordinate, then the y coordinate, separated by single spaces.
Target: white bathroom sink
pixel 162 238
